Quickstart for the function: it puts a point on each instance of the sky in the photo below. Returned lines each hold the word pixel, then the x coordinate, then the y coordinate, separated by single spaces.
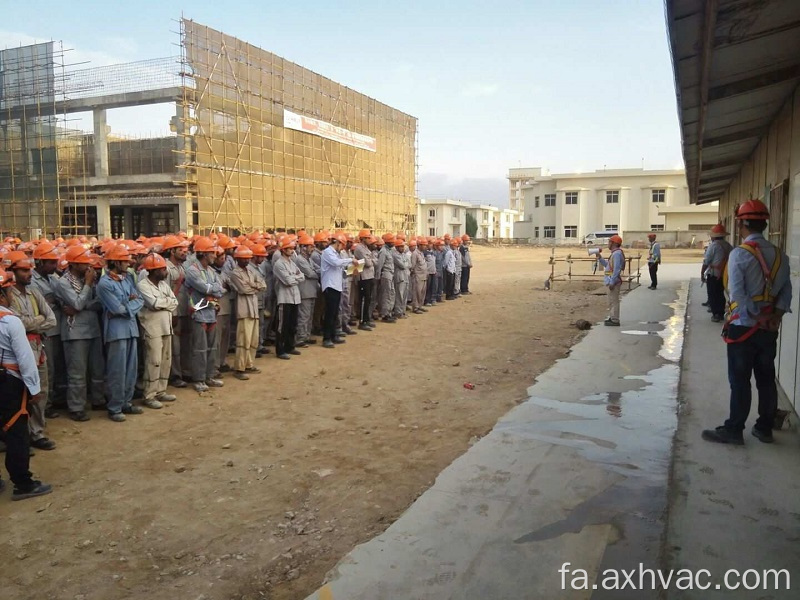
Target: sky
pixel 568 85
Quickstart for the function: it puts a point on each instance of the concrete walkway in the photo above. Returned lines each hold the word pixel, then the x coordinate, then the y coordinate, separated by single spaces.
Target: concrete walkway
pixel 579 474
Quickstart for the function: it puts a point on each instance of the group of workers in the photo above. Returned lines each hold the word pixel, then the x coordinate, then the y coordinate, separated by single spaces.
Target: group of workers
pixel 755 277
pixel 92 324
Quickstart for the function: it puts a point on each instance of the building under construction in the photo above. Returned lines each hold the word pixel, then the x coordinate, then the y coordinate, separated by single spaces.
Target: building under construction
pixel 258 143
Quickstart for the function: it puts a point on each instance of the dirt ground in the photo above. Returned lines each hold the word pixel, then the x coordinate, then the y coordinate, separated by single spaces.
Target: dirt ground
pixel 256 490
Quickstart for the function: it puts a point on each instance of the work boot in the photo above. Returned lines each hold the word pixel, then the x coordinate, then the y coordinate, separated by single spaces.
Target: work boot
pixel 295 352
pixel 611 323
pixel 252 370
pixel 132 410
pixel 200 387
pixel 214 382
pixel 37 488
pixel 165 397
pixel 116 417
pixel 152 403
pixel 43 444
pixel 51 413
pixel 764 436
pixel 338 340
pixel 328 344
pixel 365 327
pixel 284 356
pixel 723 435
pixel 79 415
pixel 178 383
pixel 240 375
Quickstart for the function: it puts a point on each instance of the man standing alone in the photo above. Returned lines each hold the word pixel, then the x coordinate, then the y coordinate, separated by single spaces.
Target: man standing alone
pixel 613 278
pixel 653 260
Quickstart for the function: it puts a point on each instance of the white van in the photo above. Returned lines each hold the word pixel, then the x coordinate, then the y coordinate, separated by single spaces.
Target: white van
pixel 598 238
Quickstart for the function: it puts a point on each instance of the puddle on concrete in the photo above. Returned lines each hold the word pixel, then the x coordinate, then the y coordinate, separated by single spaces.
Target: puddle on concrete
pixel 629 433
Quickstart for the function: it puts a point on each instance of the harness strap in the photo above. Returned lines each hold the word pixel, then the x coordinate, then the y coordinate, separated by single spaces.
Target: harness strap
pixel 766 296
pixel 23 407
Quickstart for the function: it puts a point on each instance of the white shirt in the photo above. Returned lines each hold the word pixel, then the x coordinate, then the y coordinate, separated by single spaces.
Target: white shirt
pixel 15 350
pixel 332 269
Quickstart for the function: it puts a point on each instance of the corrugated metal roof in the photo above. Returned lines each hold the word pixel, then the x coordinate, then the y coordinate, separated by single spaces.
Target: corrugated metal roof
pixel 736 62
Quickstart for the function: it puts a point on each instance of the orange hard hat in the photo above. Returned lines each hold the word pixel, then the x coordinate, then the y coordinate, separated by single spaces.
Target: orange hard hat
pixel 379 242
pixel 97 261
pixel 45 251
pixel 18 260
pixel 25 247
pixel 651 235
pixel 306 240
pixel 118 252
pixel 259 250
pixel 388 238
pixel 465 238
pixel 718 231
pixel 173 241
pixel 615 239
pixel 243 252
pixel 340 237
pixel 320 236
pixel 412 243
pixel 422 241
pixel 447 236
pixel 77 255
pixel 6 278
pixel 400 235
pixel 454 242
pixel 364 233
pixel 399 242
pixel 153 262
pixel 204 244
pixel 108 245
pixel 288 242
pixel 225 242
pixel 752 210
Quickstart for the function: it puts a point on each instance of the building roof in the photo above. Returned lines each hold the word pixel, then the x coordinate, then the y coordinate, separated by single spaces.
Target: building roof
pixel 736 62
pixel 445 201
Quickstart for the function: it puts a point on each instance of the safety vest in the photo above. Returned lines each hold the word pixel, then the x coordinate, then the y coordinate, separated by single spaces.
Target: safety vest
pixel 765 295
pixel 610 263
pixel 23 407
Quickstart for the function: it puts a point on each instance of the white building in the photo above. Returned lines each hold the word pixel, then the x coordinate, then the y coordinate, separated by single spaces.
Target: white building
pixel 517 180
pixel 563 208
pixel 438 217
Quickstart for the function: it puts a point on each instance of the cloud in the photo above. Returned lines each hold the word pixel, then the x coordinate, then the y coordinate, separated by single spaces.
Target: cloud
pixel 476 90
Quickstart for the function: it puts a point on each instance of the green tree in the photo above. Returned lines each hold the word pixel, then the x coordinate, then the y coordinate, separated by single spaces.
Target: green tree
pixel 472 226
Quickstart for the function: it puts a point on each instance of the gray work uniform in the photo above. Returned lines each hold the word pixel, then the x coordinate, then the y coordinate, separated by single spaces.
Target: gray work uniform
pixel 402 267
pixel 181 323
pixel 83 345
pixel 203 282
pixel 56 367
pixel 155 319
pixel 309 289
pixel 386 291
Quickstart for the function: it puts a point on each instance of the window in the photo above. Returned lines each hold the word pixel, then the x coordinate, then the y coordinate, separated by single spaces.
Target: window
pixel 698 227
pixel 536 232
pixel 571 198
pixel 486 215
pixel 656 227
pixel 432 232
pixel 536 204
pixel 456 230
pixel 611 227
pixel 612 197
pixel 570 231
pixel 549 231
pixel 456 212
pixel 432 213
pixel 550 200
pixel 659 195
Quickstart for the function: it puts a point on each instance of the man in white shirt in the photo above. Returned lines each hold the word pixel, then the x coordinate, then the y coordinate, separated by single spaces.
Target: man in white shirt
pixel 332 269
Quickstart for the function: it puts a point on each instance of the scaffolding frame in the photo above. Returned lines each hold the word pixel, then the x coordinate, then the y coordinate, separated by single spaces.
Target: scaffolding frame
pixel 244 170
pixel 569 260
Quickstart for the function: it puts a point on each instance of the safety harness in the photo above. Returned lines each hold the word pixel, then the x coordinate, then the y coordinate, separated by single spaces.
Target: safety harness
pixel 23 407
pixel 765 296
pixel 610 263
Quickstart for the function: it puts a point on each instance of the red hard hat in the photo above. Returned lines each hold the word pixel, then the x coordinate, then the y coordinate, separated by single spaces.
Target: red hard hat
pixel 243 252
pixel 153 262
pixel 718 230
pixel 615 239
pixel 45 251
pixel 77 255
pixel 752 210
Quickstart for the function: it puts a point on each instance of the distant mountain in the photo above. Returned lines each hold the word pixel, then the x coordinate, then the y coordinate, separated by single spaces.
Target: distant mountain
pixel 479 190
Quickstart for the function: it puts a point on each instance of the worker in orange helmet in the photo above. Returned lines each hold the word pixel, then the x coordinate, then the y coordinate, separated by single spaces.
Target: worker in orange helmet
pixel 80 333
pixel 155 319
pixel 759 294
pixel 37 317
pixel 309 290
pixel 287 284
pixel 45 280
pixel 384 271
pixel 402 270
pixel 375 245
pixel 121 304
pixel 614 266
pixel 366 278
pixel 419 275
pixel 175 250
pixel 466 263
pixel 248 285
pixel 714 261
pixel 205 289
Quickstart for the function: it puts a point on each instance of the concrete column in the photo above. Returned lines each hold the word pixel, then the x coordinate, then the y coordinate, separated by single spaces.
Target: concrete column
pixel 103 218
pixel 127 222
pixel 100 143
